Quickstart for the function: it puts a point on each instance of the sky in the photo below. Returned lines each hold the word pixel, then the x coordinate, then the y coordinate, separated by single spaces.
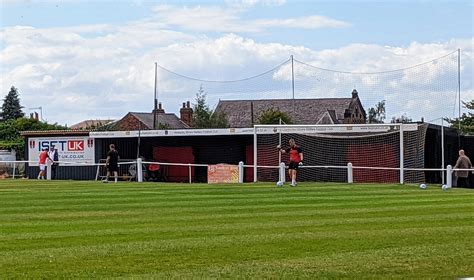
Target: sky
pixel 82 60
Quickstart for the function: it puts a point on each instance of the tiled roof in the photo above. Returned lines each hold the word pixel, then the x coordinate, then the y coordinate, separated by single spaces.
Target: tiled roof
pixel 77 132
pixel 88 124
pixel 301 111
pixel 168 119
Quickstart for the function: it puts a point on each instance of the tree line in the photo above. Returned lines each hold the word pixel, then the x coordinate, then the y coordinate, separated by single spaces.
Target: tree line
pixel 465 123
pixel 13 122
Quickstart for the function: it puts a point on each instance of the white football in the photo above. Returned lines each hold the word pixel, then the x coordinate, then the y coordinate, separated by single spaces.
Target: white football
pixel 444 187
pixel 423 186
pixel 279 184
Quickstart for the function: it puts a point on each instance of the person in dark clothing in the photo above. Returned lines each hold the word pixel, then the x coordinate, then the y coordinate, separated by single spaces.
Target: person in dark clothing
pixel 463 162
pixel 112 163
pixel 53 155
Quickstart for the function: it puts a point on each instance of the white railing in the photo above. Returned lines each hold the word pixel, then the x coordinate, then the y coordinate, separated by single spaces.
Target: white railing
pixel 241 166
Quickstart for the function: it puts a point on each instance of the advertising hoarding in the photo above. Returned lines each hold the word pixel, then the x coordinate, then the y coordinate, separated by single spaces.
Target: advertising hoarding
pixel 72 151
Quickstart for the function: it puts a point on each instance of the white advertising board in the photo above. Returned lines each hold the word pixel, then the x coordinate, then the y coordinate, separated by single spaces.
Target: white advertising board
pixel 72 151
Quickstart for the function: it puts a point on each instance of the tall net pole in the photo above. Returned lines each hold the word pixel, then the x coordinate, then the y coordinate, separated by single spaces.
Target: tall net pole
pixel 155 99
pixel 459 85
pixel 293 82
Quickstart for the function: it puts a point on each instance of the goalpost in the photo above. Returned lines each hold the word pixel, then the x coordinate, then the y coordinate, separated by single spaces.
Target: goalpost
pixel 378 153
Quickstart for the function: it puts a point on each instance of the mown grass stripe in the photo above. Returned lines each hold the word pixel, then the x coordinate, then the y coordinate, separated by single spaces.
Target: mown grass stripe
pixel 72 229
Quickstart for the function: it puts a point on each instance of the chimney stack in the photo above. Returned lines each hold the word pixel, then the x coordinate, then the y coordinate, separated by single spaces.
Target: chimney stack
pixel 160 110
pixel 186 113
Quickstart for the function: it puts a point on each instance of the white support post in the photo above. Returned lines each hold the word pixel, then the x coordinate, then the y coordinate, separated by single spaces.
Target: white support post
pixel 401 154
pixel 254 154
pixel 139 170
pixel 14 169
pixel 449 176
pixel 241 172
pixel 190 171
pixel 282 172
pixel 279 144
pixel 350 177
pixel 48 170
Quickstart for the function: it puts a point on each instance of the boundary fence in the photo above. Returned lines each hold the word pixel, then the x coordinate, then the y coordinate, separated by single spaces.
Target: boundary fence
pixel 139 176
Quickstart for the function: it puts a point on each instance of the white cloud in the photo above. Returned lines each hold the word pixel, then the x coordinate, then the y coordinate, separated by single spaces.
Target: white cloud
pixel 105 71
pixel 219 19
pixel 310 22
pixel 252 3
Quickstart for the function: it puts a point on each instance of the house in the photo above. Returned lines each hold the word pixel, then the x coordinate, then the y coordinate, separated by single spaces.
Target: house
pixel 144 121
pixel 245 113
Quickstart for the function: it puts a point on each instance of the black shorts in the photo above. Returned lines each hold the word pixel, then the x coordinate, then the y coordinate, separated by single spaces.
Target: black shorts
pixel 293 165
pixel 112 167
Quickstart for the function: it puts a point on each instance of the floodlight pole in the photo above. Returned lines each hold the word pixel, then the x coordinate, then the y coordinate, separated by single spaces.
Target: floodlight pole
pixel 155 100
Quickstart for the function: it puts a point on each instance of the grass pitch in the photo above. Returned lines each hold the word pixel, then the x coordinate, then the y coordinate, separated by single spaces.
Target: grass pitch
pixel 71 229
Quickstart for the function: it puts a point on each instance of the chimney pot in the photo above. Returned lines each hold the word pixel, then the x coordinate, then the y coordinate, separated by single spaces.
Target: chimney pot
pixel 355 93
pixel 188 104
pixel 160 109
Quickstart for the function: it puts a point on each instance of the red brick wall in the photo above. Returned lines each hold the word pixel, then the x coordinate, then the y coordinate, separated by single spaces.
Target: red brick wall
pixel 130 122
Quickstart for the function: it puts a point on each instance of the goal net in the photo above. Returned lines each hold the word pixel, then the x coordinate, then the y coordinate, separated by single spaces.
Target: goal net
pixel 381 153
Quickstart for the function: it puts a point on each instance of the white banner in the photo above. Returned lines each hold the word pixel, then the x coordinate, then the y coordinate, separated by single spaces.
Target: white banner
pixel 261 129
pixel 172 132
pixel 73 151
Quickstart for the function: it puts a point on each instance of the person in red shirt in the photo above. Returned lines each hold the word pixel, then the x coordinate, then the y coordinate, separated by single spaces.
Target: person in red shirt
pixel 43 156
pixel 296 159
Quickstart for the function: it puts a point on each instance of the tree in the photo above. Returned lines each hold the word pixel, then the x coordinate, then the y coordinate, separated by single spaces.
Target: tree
pixel 273 116
pixel 10 137
pixel 402 119
pixel 377 114
pixel 163 126
pixel 466 121
pixel 204 117
pixel 11 108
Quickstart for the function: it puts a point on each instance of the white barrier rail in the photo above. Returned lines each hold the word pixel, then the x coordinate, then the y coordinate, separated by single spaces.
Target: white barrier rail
pixel 282 168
